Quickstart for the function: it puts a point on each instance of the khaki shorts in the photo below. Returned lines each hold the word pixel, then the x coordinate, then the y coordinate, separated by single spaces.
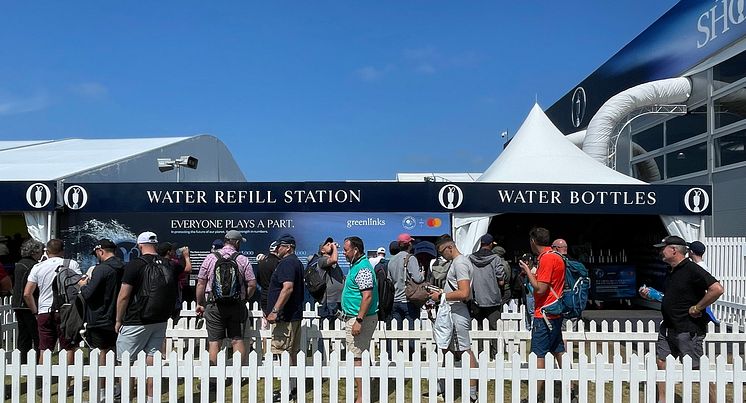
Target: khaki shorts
pixel 286 337
pixel 357 344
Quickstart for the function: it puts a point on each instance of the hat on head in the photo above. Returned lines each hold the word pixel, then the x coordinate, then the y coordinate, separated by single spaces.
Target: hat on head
pixel 486 239
pixel 103 243
pixel 234 235
pixel 671 240
pixel 499 250
pixel 218 243
pixel 405 238
pixel 273 246
pixel 286 239
pixel 381 251
pixel 394 247
pixel 147 237
pixel 426 247
pixel 698 248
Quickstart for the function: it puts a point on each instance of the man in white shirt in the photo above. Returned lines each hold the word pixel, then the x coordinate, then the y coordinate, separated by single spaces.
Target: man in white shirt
pixel 42 275
pixel 380 254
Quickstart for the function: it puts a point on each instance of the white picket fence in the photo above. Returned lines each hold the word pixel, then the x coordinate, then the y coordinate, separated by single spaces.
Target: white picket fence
pixel 595 378
pixel 726 259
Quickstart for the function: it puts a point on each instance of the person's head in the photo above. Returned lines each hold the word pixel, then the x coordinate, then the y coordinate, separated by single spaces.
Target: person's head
pixel 697 249
pixel 55 247
pixel 394 248
pixel 539 239
pixel 32 248
pixel 672 249
pixel 559 245
pixel 327 247
pixel 147 242
pixel 166 249
pixel 381 252
pixel 425 252
pixel 486 242
pixel 216 245
pixel 273 248
pixel 447 248
pixel 234 238
pixel 499 250
pixel 104 249
pixel 285 246
pixel 405 242
pixel 353 248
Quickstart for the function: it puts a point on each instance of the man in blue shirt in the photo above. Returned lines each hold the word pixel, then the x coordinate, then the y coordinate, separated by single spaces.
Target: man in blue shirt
pixel 285 298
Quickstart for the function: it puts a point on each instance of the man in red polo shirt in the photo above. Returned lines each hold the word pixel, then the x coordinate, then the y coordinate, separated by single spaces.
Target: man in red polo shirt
pixel 548 282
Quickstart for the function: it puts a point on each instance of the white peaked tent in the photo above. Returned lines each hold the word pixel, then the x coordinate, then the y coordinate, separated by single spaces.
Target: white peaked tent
pixel 540 153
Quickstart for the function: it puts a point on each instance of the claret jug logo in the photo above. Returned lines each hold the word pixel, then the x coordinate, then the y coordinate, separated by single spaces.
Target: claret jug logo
pixel 75 197
pixel 696 200
pixel 38 195
pixel 450 196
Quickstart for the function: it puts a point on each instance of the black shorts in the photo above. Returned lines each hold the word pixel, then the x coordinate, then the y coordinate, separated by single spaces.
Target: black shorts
pixel 225 320
pixel 101 338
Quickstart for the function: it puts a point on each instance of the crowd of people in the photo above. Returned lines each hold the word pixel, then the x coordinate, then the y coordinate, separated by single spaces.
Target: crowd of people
pixel 124 306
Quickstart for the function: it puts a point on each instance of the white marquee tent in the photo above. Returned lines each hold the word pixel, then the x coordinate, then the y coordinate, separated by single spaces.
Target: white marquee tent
pixel 540 153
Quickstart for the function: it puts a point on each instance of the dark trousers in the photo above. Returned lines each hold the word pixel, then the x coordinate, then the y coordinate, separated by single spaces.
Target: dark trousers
pixel 492 314
pixel 28 332
pixel 401 311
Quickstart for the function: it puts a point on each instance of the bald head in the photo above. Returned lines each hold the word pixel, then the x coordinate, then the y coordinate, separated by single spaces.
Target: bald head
pixel 559 245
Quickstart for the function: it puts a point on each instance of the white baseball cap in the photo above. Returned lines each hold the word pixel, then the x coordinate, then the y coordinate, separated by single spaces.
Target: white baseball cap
pixel 381 251
pixel 147 237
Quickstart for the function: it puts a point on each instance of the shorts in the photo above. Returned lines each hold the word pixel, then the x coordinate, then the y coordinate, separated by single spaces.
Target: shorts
pixel 679 345
pixel 225 320
pixel 286 337
pixel 48 325
pixel 544 340
pixel 460 340
pixel 136 338
pixel 357 344
pixel 101 338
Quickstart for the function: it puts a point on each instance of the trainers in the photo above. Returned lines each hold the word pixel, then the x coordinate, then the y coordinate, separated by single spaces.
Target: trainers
pixel 277 396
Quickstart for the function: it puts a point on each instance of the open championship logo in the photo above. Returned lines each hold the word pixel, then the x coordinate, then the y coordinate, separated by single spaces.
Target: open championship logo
pixel 450 197
pixel 696 200
pixel 75 197
pixel 38 195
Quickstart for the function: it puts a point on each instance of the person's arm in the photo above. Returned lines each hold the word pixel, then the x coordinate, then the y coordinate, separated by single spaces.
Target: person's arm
pixel 28 296
pixel 714 291
pixel 499 272
pixel 540 287
pixel 365 303
pixel 249 278
pixel 187 260
pixel 123 300
pixel 287 290
pixel 200 295
pixel 333 256
pixel 414 269
pixel 92 283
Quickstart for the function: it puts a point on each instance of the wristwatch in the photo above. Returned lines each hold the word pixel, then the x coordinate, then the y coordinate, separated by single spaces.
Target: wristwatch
pixel 275 310
pixel 358 319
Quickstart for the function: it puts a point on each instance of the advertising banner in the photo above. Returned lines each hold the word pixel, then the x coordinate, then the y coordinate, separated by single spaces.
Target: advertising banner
pixel 81 230
pixel 613 282
pixel 27 196
pixel 480 198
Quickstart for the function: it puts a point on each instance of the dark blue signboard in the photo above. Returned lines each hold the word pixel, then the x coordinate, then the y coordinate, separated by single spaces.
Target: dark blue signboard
pixel 486 198
pixel 689 33
pixel 27 196
pixel 613 282
pixel 198 230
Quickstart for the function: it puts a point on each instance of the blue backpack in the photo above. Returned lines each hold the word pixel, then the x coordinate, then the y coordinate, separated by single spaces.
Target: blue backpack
pixel 571 303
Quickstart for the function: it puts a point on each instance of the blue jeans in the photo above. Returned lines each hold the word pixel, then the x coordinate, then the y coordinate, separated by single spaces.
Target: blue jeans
pixel 401 311
pixel 329 311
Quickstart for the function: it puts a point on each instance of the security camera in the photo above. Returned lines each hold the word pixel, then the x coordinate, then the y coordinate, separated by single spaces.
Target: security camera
pixel 188 161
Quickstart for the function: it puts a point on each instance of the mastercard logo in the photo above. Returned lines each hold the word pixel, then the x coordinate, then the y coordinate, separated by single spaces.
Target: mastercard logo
pixel 434 222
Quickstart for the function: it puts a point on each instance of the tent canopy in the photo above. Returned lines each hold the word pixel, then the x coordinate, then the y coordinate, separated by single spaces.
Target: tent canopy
pixel 540 153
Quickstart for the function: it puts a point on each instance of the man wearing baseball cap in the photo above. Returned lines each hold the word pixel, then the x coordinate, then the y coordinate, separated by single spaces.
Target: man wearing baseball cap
pixel 380 254
pixel 401 267
pixel 689 290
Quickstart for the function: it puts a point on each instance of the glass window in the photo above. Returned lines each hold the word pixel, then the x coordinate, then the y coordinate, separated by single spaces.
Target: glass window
pixel 730 108
pixel 729 71
pixel 730 149
pixel 650 139
pixel 649 170
pixel 686 160
pixel 687 126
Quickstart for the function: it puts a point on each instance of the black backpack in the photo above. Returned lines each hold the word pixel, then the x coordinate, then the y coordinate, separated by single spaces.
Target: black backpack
pixel 226 282
pixel 315 282
pixel 158 290
pixel 65 286
pixel 385 289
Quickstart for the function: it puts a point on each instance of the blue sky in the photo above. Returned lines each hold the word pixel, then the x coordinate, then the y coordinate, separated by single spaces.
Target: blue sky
pixel 305 90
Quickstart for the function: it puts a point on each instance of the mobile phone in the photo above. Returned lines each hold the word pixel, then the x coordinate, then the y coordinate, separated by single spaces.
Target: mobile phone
pixel 432 288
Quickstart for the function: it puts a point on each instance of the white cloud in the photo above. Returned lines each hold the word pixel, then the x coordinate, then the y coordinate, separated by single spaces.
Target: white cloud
pixel 372 73
pixel 428 60
pixel 14 105
pixel 91 90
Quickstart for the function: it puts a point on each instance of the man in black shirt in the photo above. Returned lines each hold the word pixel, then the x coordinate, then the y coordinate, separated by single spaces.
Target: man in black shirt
pixel 689 290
